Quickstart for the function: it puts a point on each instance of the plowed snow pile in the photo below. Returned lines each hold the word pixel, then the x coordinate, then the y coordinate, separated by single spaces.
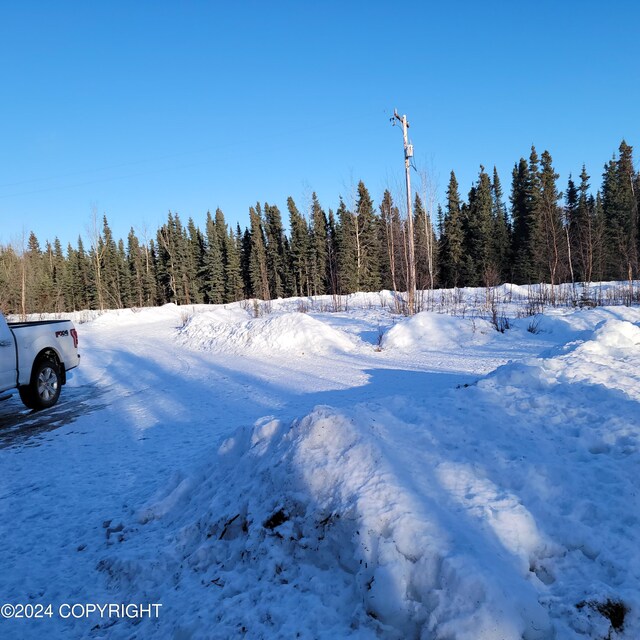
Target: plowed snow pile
pixel 429 331
pixel 295 333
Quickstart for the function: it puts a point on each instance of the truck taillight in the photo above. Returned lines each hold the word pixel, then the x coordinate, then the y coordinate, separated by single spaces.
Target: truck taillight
pixel 74 335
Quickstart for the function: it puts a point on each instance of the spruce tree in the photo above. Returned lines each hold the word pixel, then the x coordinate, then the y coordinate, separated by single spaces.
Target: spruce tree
pixel 501 234
pixel 600 254
pixel 194 266
pixel 277 258
pixel 84 293
pixel 621 214
pixel 213 272
pixel 319 248
pixel 168 259
pixel 111 268
pixel 482 266
pixel 234 288
pixel 150 279
pixel 57 266
pixel 258 269
pixel 33 280
pixel 332 254
pixel 231 277
pixel 347 253
pixel 552 249
pixel 124 280
pixel 367 242
pixel 135 267
pixel 451 246
pixel 583 236
pixel 523 269
pixel 299 250
pixel 244 242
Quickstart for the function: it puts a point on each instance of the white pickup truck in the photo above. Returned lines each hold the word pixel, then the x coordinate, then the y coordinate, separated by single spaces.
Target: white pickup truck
pixel 35 358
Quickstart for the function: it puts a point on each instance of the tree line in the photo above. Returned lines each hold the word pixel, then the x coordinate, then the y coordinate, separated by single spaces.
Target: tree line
pixel 542 235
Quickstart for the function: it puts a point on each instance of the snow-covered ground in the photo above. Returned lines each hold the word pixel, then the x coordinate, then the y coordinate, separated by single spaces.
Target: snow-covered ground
pixel 350 474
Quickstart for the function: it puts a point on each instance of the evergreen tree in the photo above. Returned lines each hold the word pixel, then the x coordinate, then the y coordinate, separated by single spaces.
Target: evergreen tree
pixel 319 248
pixel 481 266
pixel 523 268
pixel 231 275
pixel 150 279
pixel 299 251
pixel 332 254
pixel 258 270
pixel 583 229
pixel 213 267
pixel 170 256
pixel 244 240
pixel 83 293
pixel 368 242
pixel 501 234
pixel 123 276
pixel 451 249
pixel 537 239
pixel 194 266
pixel 136 270
pixel 277 258
pixel 600 246
pixel 57 270
pixel 11 278
pixel 234 287
pixel 112 268
pixel 620 211
pixel 551 253
pixel 33 284
pixel 68 286
pixel 346 250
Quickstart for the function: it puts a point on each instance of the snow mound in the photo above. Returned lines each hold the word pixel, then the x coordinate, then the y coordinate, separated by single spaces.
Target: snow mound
pixel 607 357
pixel 428 331
pixel 317 503
pixel 295 333
pixel 615 338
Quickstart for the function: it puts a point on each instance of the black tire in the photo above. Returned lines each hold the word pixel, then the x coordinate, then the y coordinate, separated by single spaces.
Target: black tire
pixel 44 389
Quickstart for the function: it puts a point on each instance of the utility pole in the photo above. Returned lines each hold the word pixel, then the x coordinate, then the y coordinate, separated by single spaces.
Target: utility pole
pixel 411 267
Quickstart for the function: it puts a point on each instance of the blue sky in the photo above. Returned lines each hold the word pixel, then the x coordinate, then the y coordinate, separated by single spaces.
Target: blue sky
pixel 132 109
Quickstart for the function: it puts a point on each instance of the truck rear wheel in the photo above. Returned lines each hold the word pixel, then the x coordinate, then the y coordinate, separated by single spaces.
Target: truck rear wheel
pixel 44 389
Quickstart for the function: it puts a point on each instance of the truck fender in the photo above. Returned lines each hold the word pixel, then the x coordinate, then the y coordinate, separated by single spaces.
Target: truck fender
pixel 41 349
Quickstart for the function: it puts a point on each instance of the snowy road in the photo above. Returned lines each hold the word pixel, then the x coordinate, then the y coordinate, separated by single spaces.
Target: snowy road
pixel 123 494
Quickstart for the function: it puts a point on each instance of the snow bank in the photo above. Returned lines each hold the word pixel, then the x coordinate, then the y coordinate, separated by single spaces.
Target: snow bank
pixel 316 518
pixel 574 421
pixel 428 331
pixel 607 356
pixel 295 333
